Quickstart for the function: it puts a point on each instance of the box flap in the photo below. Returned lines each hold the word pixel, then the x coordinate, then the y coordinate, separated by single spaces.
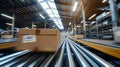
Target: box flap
pixel 48 31
pixel 29 31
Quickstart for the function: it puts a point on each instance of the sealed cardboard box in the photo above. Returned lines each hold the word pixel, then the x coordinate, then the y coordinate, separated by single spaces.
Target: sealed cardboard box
pixel 27 39
pixel 49 40
pixel 27 31
pixel 43 40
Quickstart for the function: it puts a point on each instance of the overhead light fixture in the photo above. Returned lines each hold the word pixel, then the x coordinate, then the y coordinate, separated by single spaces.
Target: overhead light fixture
pixel 27 28
pixel 9 24
pixel 82 21
pixel 53 26
pixel 34 26
pixel 104 1
pixel 75 6
pixel 78 26
pixel 107 13
pixel 70 23
pixel 7 16
pixel 92 16
pixel 93 22
pixel 42 16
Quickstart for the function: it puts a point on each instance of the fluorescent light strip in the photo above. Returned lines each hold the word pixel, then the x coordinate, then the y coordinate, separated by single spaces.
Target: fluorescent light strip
pixel 75 6
pixel 104 1
pixel 42 16
pixel 7 16
pixel 70 23
pixel 9 24
pixel 107 13
pixel 92 16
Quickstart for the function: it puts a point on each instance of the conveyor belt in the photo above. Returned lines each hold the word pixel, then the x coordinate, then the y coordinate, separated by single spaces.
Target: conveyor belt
pixel 25 59
pixel 7 45
pixel 73 55
pixel 70 54
pixel 115 52
pixel 3 40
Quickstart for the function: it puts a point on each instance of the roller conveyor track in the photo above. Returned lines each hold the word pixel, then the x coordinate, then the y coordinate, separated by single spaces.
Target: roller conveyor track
pixel 70 54
pixel 25 59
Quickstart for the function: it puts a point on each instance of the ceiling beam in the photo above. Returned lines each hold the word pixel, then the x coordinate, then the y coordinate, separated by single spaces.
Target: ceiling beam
pixel 18 7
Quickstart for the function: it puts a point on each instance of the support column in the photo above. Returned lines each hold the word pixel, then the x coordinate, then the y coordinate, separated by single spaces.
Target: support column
pixel 32 25
pixel 114 13
pixel 72 24
pixel 84 20
pixel 45 24
pixel 90 30
pixel 97 29
pixel 74 27
pixel 13 22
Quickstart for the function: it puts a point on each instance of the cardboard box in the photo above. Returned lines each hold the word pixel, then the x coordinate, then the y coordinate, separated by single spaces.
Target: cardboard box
pixel 7 36
pixel 29 31
pixel 43 40
pixel 116 32
pixel 27 39
pixel 48 40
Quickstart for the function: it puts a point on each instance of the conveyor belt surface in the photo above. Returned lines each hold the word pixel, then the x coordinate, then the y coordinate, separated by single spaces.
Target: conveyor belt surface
pixel 25 58
pixel 70 54
pixel 73 55
pixel 8 40
pixel 115 52
pixel 109 43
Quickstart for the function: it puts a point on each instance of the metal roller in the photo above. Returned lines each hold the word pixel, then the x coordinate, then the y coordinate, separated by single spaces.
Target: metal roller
pixel 82 62
pixel 95 57
pixel 12 56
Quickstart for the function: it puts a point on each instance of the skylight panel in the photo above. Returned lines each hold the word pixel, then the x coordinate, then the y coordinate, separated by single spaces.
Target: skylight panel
pixel 51 15
pixel 56 15
pixel 44 5
pixel 50 8
pixel 40 0
pixel 48 11
pixel 55 11
pixel 51 0
pixel 52 4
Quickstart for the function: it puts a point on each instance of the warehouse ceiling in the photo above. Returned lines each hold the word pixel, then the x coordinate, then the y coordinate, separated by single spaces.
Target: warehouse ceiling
pixel 27 12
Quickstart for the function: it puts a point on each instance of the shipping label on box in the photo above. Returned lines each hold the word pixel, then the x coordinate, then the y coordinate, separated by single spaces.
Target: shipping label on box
pixel 29 38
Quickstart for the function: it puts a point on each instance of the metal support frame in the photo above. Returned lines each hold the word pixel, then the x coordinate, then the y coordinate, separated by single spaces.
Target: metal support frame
pixel 114 13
